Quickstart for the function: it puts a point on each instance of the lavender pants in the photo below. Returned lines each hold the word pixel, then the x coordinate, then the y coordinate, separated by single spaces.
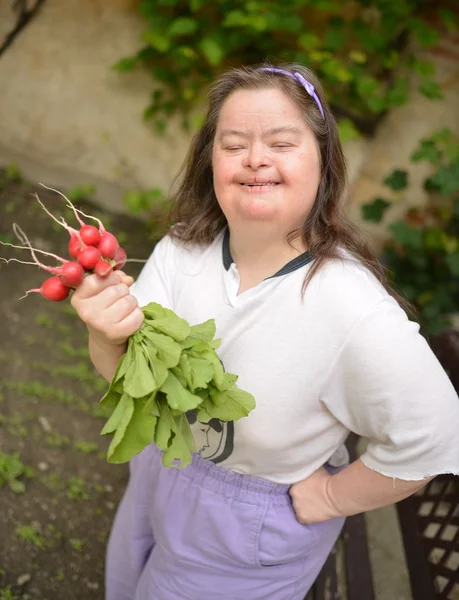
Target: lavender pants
pixel 206 533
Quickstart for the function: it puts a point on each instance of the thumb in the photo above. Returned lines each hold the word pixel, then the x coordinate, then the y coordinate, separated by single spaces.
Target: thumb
pixel 126 279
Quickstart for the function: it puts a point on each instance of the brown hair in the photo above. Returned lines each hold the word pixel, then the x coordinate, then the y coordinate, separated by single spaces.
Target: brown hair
pixel 326 230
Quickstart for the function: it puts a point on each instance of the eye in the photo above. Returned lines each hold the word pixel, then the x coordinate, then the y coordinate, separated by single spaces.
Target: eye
pixel 234 148
pixel 282 145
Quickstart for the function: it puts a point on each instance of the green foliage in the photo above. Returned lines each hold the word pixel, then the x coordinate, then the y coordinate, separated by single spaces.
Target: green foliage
pixel 81 192
pixel 77 489
pixel 7 594
pixel 140 201
pixel 29 533
pixel 422 254
pixel 169 369
pixel 355 48
pixel 13 173
pixel 11 469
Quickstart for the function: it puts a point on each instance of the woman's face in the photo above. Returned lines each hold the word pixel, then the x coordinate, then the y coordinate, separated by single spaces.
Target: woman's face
pixel 266 164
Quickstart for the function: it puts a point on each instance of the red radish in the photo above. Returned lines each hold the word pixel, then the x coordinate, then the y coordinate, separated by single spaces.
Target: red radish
pixel 108 245
pixel 75 246
pixel 52 289
pixel 103 268
pixel 71 274
pixel 120 258
pixel 89 235
pixel 88 258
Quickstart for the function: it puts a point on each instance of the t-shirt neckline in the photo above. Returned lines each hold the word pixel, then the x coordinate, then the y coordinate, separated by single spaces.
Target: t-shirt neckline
pixel 293 265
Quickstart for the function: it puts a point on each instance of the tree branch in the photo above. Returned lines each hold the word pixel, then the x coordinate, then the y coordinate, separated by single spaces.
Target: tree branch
pixel 25 15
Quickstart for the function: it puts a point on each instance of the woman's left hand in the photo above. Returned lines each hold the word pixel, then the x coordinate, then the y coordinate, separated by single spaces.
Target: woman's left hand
pixel 311 500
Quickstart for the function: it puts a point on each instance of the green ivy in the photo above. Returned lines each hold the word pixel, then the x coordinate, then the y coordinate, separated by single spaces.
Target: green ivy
pixel 355 48
pixel 422 253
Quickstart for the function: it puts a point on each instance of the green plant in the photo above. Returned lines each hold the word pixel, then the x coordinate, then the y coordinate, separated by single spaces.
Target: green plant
pixel 77 544
pixel 29 533
pixel 13 173
pixel 81 192
pixel 357 48
pixel 11 468
pixel 7 594
pixel 77 489
pixel 422 254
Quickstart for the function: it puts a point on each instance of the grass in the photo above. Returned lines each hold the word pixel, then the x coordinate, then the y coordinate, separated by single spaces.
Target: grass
pixel 29 533
pixel 86 447
pixel 77 544
pixel 77 489
pixel 6 593
pixel 39 391
pixel 11 470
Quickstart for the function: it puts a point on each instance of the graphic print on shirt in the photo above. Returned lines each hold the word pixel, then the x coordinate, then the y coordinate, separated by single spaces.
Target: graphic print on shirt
pixel 214 440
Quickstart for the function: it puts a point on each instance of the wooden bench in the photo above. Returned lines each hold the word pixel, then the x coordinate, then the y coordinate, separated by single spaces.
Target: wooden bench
pixel 429 525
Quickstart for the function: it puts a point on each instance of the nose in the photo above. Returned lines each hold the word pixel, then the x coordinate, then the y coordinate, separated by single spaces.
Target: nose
pixel 256 156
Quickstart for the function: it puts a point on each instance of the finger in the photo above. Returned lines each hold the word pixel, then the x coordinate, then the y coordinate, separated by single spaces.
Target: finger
pixel 122 308
pixel 129 325
pixel 93 285
pixel 127 280
pixel 111 294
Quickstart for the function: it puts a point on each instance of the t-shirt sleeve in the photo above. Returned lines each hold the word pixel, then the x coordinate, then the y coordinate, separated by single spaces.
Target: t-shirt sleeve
pixel 387 385
pixel 154 283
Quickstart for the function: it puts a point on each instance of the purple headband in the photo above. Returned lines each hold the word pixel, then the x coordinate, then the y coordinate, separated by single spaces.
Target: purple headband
pixel 307 86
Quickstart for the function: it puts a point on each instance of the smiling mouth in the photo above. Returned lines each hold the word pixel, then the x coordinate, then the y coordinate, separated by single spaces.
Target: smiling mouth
pixel 260 186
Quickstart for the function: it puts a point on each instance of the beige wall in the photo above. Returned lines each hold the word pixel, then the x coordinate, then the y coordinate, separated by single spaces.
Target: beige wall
pixel 67 118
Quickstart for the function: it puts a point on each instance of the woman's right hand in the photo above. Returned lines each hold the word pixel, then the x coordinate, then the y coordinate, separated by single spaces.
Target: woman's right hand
pixel 110 312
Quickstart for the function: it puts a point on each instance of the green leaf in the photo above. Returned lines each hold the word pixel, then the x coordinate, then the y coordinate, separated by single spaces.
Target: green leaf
pixel 111 398
pixel 125 65
pixel 157 41
pixel 335 39
pixel 204 332
pixel 138 434
pixel 183 26
pixel 182 445
pixel 165 426
pixel 16 486
pixel 374 211
pixel 406 235
pixel 426 68
pixel 196 5
pixel 212 50
pixel 151 406
pixel 231 405
pixel 122 426
pixel 178 397
pixel 397 180
pixel 125 361
pixel 139 380
pixel 347 130
pixel 449 18
pixel 115 419
pixel 452 260
pixel 166 321
pixel 431 89
pixel 202 371
pixel 398 94
pixel 426 36
pixel 428 151
pixel 447 180
pixel 169 351
pixel 235 18
pixel 308 41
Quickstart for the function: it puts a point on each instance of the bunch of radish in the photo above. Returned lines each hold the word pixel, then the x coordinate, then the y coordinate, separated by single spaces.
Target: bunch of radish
pixel 91 249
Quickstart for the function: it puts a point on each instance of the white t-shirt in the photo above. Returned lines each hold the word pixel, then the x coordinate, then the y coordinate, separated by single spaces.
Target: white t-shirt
pixel 343 358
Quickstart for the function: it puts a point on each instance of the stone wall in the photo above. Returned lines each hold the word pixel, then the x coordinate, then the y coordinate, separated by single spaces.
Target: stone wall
pixel 66 118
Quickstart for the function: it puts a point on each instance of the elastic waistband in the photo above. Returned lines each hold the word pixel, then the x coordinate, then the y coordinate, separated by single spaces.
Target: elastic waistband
pixel 246 488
